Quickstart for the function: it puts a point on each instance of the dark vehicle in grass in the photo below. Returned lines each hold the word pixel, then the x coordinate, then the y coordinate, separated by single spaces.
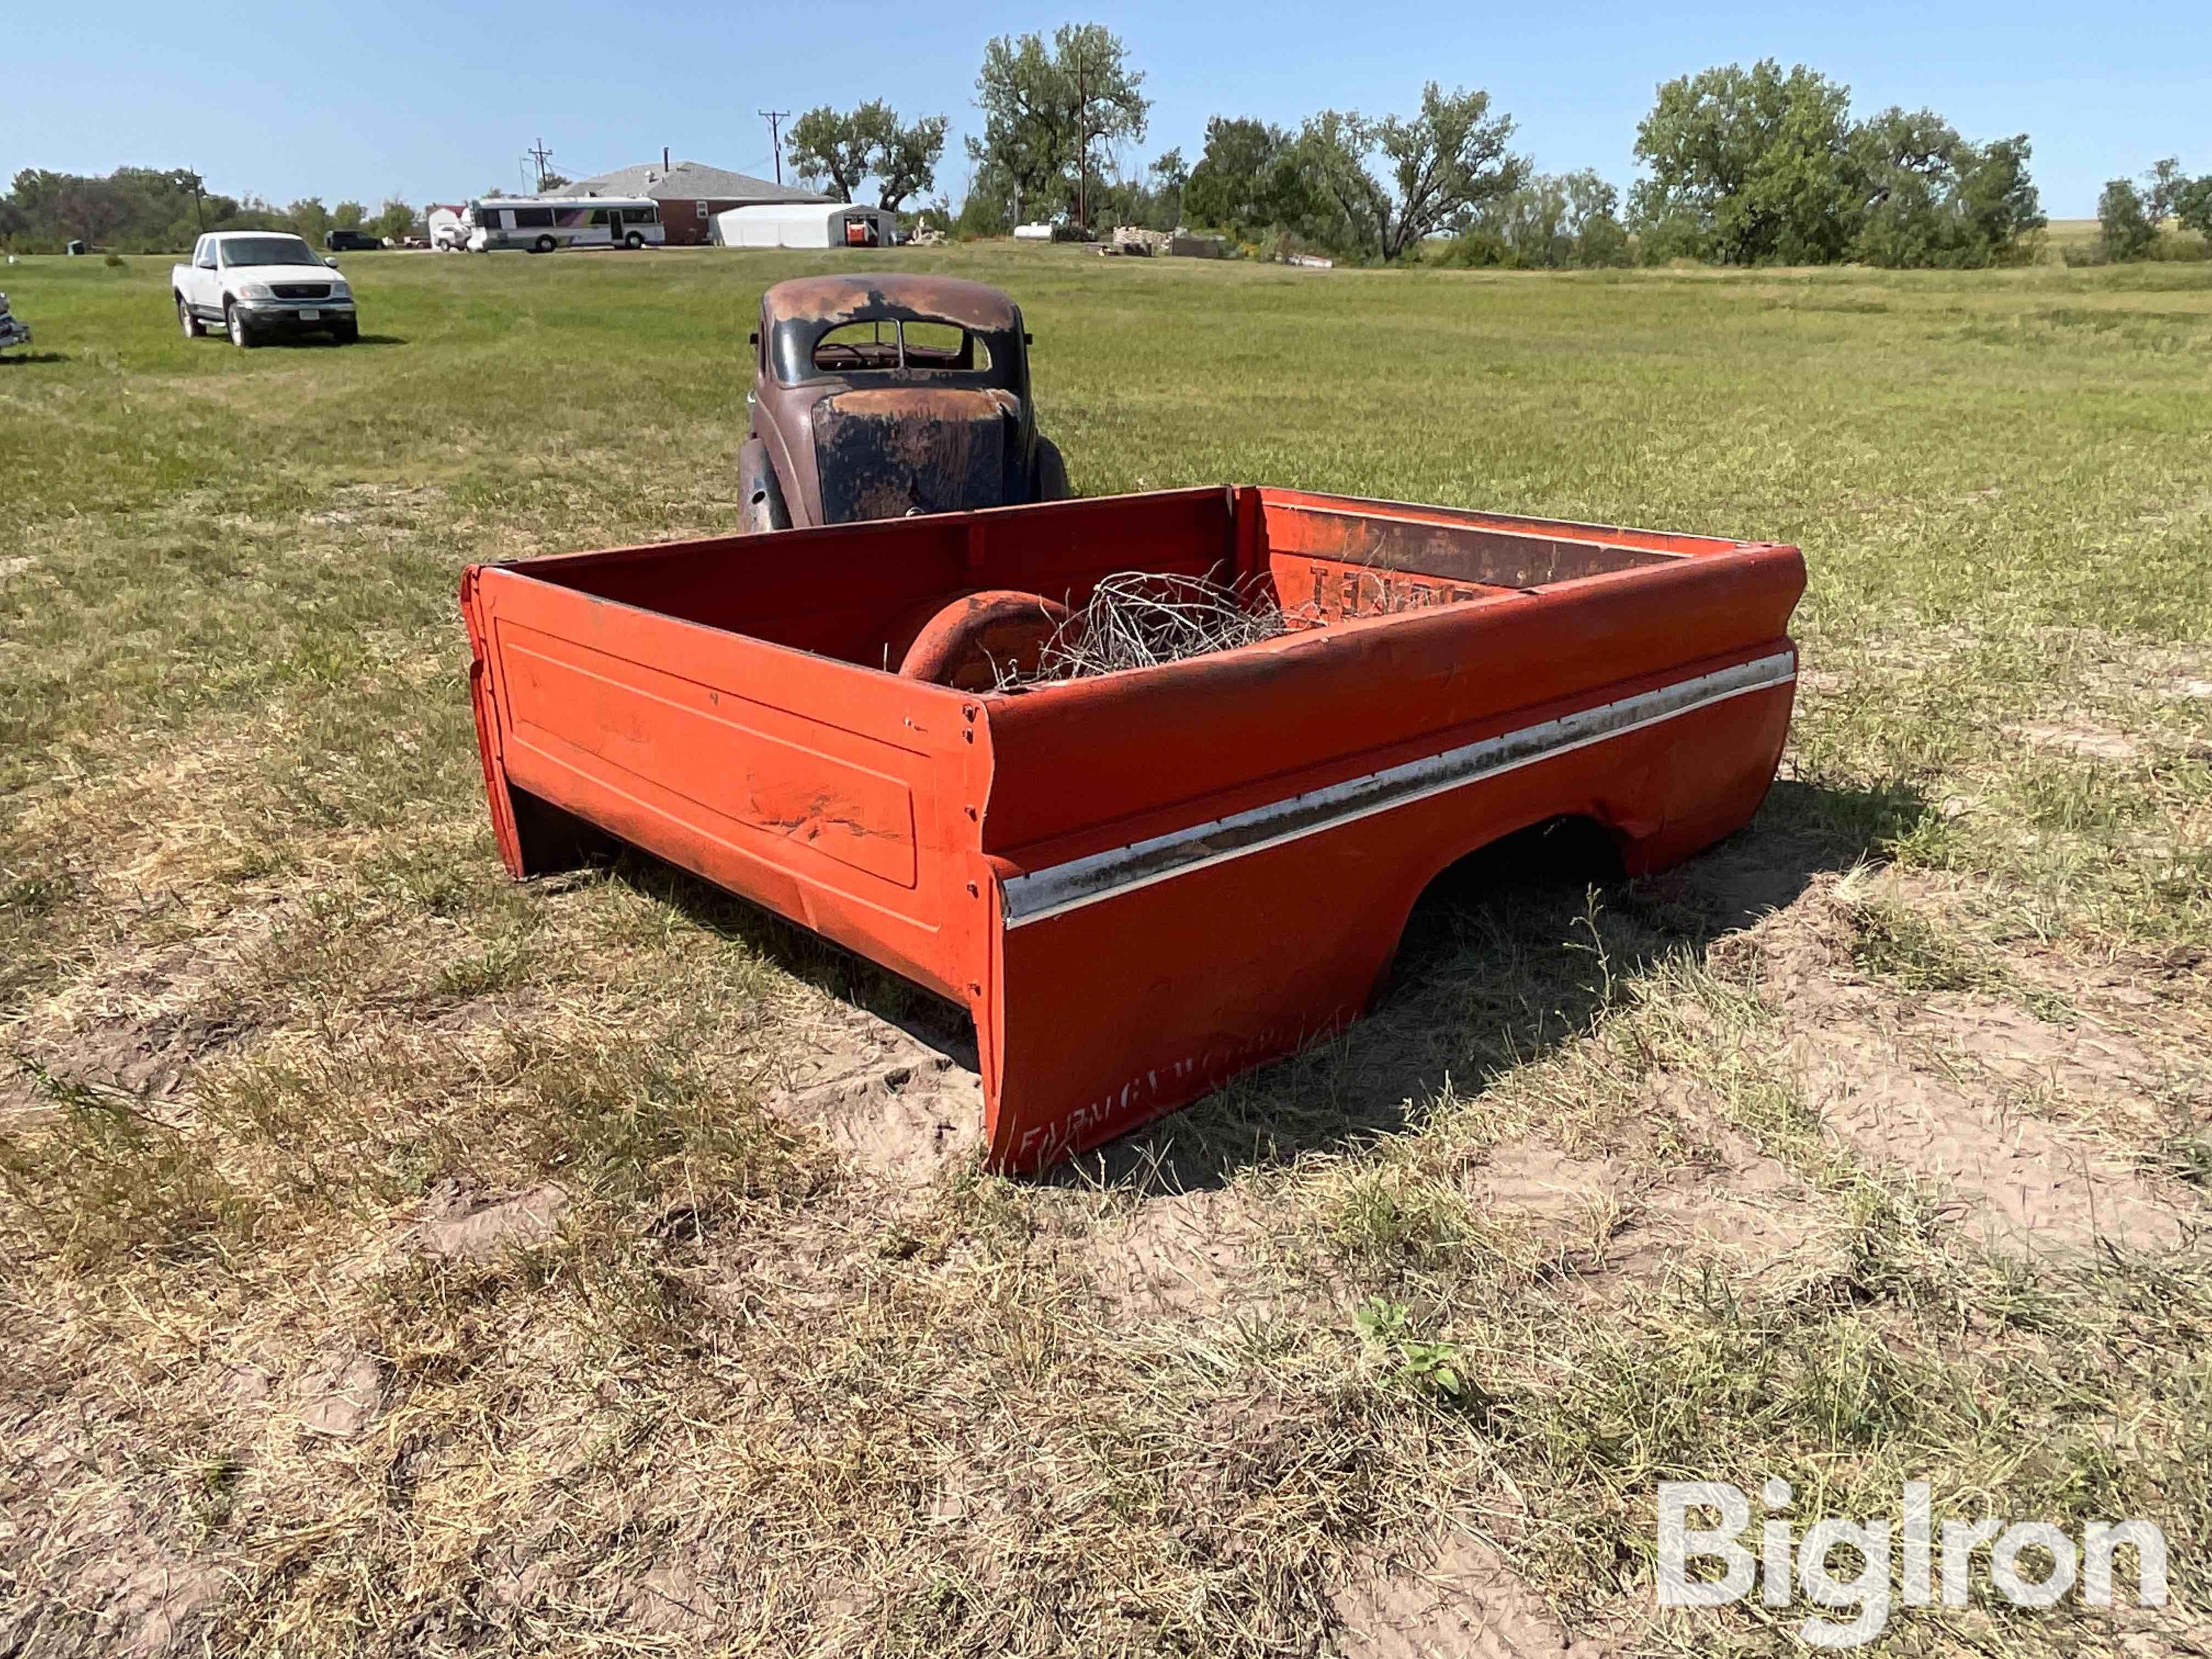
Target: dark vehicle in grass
pixel 352 242
pixel 885 395
pixel 13 332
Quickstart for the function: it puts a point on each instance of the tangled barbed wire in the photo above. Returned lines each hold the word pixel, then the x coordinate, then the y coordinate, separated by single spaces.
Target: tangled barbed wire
pixel 1140 619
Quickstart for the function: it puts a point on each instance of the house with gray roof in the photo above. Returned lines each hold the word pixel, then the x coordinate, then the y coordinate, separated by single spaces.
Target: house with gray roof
pixel 690 193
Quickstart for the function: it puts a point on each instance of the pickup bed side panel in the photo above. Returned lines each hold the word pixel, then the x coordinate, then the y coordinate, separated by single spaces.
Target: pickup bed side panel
pixel 1238 887
pixel 1189 741
pixel 834 797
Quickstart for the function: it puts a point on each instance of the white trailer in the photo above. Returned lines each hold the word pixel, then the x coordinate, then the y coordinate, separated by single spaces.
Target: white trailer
pixel 804 224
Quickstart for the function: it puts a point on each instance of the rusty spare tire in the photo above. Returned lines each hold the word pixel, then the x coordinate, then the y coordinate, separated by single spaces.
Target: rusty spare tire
pixel 967 641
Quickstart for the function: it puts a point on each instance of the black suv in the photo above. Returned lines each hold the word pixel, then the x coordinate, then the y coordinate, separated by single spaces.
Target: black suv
pixel 351 241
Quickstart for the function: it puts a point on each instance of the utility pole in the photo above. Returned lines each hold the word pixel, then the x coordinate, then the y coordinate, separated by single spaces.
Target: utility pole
pixel 541 156
pixel 773 116
pixel 1082 139
pixel 198 217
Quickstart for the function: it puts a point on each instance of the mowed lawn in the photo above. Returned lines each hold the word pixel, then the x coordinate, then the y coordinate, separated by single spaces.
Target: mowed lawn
pixel 393 1259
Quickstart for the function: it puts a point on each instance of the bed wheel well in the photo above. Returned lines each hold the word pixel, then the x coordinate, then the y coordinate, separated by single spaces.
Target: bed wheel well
pixel 1566 847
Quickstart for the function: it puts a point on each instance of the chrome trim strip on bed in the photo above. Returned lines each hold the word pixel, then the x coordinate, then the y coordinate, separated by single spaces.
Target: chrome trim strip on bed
pixel 1048 892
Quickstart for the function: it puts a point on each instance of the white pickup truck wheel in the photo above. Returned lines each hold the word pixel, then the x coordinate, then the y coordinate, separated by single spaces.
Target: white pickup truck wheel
pixel 189 323
pixel 240 335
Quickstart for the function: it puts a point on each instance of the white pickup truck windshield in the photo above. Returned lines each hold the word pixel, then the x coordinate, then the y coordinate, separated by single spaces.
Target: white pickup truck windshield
pixel 265 251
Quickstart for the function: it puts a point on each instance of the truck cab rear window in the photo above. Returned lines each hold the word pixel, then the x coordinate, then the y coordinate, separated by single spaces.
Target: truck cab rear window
pixel 858 345
pixel 889 344
pixel 943 345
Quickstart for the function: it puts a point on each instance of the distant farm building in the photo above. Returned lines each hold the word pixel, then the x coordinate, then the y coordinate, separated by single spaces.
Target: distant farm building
pixel 691 194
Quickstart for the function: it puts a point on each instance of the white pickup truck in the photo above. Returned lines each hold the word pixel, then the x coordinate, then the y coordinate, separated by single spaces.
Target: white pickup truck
pixel 255 283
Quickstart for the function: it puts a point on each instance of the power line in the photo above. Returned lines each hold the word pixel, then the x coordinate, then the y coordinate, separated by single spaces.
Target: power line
pixel 773 116
pixel 541 156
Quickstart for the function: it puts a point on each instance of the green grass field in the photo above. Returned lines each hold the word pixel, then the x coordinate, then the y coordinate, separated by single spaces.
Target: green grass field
pixel 1871 1147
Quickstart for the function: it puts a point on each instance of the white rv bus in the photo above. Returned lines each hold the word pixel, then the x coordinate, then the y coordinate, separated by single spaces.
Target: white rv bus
pixel 542 223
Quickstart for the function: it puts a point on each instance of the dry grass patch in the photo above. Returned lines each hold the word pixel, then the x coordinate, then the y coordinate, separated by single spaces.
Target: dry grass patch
pixel 394 1260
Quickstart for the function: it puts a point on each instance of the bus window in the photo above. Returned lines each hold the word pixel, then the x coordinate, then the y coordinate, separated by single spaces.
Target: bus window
pixel 532 218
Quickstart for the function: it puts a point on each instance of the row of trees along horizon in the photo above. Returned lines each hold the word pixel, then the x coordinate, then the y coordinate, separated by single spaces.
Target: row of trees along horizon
pixel 1744 166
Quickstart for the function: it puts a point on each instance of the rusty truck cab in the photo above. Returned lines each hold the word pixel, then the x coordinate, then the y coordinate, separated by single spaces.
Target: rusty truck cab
pixel 888 394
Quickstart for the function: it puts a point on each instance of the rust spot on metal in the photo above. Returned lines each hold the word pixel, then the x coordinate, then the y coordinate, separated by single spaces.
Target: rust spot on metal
pixel 885 453
pixel 891 293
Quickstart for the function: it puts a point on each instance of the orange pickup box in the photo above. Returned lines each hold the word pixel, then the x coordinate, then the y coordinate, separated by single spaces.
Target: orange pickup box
pixel 1142 882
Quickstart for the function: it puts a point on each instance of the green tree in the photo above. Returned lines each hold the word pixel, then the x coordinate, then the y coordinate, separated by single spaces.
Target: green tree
pixel 1152 198
pixel 1929 197
pixel 1436 166
pixel 348 215
pixel 1251 176
pixel 1994 202
pixel 2162 188
pixel 394 220
pixel 2122 225
pixel 1749 166
pixel 1046 108
pixel 551 183
pixel 2192 205
pixel 141 210
pixel 831 151
pixel 988 208
pixel 983 213
pixel 1552 221
pixel 905 157
pixel 836 150
pixel 1170 177
pixel 310 218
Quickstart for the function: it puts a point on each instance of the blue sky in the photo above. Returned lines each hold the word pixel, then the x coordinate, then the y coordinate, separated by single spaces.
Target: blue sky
pixel 435 101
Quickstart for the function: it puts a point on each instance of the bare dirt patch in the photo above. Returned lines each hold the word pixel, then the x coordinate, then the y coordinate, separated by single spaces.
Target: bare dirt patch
pixel 148 1602
pixel 1465 1603
pixel 1192 1254
pixel 898 1106
pixel 458 1221
pixel 141 1028
pixel 2089 742
pixel 1599 1227
pixel 341 1394
pixel 2017 1179
pixel 1939 1089
pixel 670 1600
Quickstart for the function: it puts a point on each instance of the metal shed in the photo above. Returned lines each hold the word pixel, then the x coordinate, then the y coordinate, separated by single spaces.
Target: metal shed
pixel 806 224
